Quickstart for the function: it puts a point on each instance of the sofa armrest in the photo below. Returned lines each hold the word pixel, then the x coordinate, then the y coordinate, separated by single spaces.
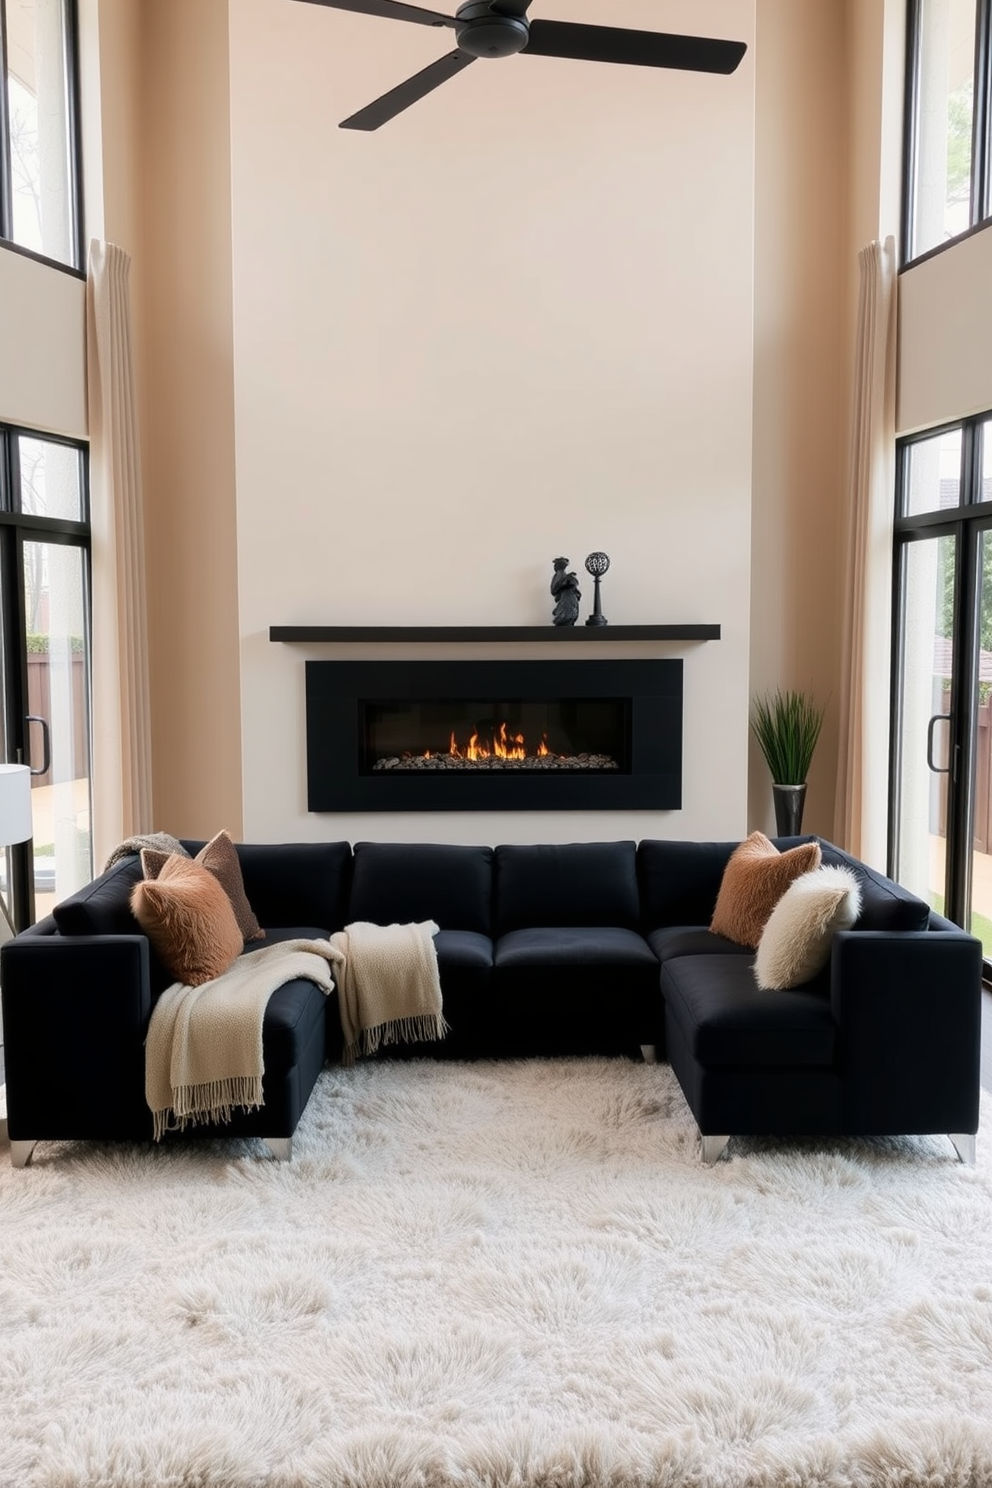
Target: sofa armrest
pixel 908 1007
pixel 75 1016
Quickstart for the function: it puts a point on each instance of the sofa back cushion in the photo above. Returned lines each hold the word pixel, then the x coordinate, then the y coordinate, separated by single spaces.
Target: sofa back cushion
pixel 885 905
pixel 294 883
pixel 102 907
pixel 575 883
pixel 395 883
pixel 679 881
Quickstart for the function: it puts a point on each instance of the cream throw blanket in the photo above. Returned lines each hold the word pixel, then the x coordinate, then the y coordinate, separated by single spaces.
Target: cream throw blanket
pixel 388 985
pixel 203 1054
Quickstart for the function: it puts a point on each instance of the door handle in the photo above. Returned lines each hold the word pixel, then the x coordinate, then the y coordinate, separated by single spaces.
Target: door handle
pixel 46 742
pixel 937 718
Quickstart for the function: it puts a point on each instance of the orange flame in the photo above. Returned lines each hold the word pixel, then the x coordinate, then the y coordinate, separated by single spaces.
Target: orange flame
pixel 505 746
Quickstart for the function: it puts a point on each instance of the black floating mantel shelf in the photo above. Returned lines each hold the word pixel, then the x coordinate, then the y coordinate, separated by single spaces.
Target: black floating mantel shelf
pixel 401 633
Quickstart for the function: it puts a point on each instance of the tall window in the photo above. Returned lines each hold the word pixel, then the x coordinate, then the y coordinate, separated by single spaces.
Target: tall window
pixel 39 171
pixel 44 661
pixel 948 121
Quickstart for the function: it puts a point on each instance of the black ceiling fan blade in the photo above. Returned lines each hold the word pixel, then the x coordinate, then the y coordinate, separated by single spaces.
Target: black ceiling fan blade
pixel 636 48
pixel 390 10
pixel 398 99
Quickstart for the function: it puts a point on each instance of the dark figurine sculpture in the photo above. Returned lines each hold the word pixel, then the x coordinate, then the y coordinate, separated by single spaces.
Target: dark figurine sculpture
pixel 565 588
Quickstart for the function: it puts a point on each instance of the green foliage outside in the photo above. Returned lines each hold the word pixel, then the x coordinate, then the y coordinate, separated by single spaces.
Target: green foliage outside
pixel 38 645
pixel 960 110
pixel 945 559
pixel 980 926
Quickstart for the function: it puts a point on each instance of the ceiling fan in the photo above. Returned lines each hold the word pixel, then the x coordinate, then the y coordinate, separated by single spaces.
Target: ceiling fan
pixel 500 28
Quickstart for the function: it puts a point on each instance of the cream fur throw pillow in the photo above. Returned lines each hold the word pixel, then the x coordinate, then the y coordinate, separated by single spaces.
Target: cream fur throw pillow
pixel 795 944
pixel 754 880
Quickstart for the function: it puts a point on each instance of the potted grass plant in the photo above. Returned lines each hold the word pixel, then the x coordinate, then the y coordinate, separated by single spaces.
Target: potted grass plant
pixel 787 725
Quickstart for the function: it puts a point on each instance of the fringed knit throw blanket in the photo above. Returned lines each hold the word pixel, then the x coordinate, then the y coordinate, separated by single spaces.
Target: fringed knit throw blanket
pixel 388 985
pixel 203 1054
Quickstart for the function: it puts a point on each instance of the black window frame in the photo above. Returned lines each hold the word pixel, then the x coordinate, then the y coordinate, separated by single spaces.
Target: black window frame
pixel 70 31
pixel 981 133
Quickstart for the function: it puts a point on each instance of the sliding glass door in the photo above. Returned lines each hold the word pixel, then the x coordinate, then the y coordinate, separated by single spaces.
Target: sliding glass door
pixel 941 816
pixel 926 751
pixel 44 650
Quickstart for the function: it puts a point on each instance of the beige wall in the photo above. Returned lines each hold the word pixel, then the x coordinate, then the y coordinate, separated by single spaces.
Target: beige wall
pixel 515 323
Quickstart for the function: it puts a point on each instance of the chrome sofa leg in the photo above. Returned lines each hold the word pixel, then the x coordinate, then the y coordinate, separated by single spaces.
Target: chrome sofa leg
pixel 280 1147
pixel 964 1145
pixel 713 1148
pixel 20 1152
pixel 649 1054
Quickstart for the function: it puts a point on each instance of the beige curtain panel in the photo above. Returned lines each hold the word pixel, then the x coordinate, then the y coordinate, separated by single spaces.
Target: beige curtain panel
pixel 122 790
pixel 863 764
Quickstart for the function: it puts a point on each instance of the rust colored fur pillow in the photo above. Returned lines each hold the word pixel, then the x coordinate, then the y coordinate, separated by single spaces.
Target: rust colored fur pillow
pixel 219 857
pixel 189 920
pixel 754 880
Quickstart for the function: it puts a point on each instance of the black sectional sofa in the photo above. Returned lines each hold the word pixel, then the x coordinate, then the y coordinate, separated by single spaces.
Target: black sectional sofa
pixel 580 948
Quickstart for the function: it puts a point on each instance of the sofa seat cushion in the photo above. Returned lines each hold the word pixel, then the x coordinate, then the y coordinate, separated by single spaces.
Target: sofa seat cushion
pixel 692 940
pixel 280 933
pixel 574 946
pixel 726 1020
pixel 463 948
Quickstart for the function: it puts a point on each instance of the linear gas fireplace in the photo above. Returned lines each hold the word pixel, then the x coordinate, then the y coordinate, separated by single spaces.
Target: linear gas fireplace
pixel 491 736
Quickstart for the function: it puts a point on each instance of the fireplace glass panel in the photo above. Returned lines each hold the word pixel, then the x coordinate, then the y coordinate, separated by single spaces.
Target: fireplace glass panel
pixel 513 735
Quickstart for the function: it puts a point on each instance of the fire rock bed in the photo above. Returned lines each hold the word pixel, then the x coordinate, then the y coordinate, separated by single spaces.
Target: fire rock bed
pixel 497 762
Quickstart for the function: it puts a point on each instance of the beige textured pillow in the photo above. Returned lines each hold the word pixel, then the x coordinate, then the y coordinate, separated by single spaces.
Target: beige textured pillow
pixel 189 920
pixel 754 880
pixel 795 944
pixel 219 857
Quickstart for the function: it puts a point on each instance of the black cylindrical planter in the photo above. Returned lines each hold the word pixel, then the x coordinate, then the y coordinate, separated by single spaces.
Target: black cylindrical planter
pixel 789 802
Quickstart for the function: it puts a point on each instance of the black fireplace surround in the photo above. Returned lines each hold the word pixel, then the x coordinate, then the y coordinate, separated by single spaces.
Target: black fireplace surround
pixel 494 735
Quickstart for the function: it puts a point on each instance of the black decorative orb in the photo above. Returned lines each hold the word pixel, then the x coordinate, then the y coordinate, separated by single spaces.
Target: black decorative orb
pixel 597 564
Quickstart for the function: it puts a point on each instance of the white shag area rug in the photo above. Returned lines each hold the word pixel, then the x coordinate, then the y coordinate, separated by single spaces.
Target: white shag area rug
pixel 509 1275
